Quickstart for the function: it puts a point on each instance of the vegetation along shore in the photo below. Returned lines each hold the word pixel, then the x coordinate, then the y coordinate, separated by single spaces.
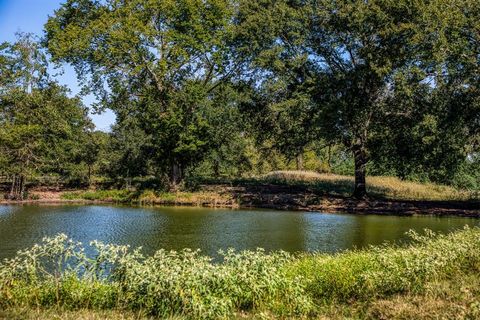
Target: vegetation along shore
pixel 365 107
pixel 435 277
pixel 225 90
pixel 289 190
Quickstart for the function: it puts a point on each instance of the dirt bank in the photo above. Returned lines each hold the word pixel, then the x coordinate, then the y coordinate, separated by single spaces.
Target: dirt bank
pixel 290 198
pixel 303 198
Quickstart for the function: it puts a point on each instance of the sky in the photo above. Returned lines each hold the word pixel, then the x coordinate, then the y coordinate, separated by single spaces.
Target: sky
pixel 30 16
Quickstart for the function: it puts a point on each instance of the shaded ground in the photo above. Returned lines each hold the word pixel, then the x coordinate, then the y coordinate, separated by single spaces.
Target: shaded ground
pixel 305 198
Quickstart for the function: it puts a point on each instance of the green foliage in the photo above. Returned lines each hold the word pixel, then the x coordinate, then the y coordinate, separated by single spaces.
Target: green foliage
pixel 41 127
pixel 379 77
pixel 58 273
pixel 238 88
pixel 158 69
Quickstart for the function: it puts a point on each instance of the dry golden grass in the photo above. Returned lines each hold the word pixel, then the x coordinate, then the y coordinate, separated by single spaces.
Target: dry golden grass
pixel 28 313
pixel 305 176
pixel 456 298
pixel 395 188
pixel 387 187
pixel 209 199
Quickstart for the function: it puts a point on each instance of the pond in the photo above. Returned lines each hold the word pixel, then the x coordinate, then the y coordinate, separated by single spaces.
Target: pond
pixel 209 229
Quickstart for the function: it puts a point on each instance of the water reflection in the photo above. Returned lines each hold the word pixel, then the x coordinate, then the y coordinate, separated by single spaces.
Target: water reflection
pixel 208 229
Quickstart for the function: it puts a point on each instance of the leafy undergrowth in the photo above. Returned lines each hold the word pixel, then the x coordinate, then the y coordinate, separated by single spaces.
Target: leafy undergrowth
pixel 384 187
pixel 150 197
pixel 57 276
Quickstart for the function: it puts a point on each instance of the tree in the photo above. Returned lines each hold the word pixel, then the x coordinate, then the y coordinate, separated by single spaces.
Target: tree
pixel 359 49
pixel 39 122
pixel 93 152
pixel 436 134
pixel 359 59
pixel 128 152
pixel 280 107
pixel 158 61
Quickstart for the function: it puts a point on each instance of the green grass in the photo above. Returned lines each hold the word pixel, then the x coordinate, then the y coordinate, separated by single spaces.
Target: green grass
pixel 377 186
pixel 100 195
pixel 55 277
pixel 151 197
pixel 329 184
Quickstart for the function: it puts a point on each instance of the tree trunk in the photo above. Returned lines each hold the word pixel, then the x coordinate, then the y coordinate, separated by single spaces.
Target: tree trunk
pixel 17 190
pixel 216 168
pixel 329 158
pixel 13 187
pixel 89 176
pixel 360 158
pixel 176 176
pixel 299 161
pixel 22 187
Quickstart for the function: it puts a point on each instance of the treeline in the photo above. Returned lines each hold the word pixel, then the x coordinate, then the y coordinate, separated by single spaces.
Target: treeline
pixel 232 88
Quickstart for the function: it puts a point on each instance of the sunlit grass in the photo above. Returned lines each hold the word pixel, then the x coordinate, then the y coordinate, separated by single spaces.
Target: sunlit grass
pixel 152 197
pixel 386 187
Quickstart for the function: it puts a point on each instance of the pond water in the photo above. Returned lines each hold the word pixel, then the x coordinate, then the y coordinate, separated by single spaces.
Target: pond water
pixel 209 229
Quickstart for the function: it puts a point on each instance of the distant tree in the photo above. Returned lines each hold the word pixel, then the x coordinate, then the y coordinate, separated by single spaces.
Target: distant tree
pixel 127 152
pixel 93 152
pixel 39 122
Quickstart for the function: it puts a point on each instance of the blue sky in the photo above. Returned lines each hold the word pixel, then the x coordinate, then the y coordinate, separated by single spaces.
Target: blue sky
pixel 30 16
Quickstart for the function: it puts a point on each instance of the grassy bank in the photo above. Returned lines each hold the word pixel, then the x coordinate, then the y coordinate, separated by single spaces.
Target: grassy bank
pixel 389 188
pixel 437 275
pixel 150 197
pixel 381 187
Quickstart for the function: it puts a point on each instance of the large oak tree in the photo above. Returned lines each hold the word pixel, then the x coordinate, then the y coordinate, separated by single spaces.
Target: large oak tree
pixel 158 61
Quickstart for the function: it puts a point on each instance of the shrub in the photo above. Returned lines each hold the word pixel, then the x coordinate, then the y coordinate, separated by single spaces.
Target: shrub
pixel 58 273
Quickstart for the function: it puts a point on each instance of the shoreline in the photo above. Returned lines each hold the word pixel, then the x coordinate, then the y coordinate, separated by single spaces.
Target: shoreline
pixel 439 274
pixel 235 198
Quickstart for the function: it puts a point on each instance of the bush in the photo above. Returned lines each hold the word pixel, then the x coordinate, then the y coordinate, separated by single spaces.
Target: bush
pixel 58 273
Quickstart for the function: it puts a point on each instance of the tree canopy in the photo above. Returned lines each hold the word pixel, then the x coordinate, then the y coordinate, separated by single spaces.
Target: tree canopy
pixel 41 127
pixel 237 87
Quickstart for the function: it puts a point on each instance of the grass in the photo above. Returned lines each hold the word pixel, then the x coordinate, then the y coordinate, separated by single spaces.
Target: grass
pixel 150 197
pixel 329 184
pixel 381 187
pixel 438 276
pixel 454 298
pixel 120 196
pixel 28 313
